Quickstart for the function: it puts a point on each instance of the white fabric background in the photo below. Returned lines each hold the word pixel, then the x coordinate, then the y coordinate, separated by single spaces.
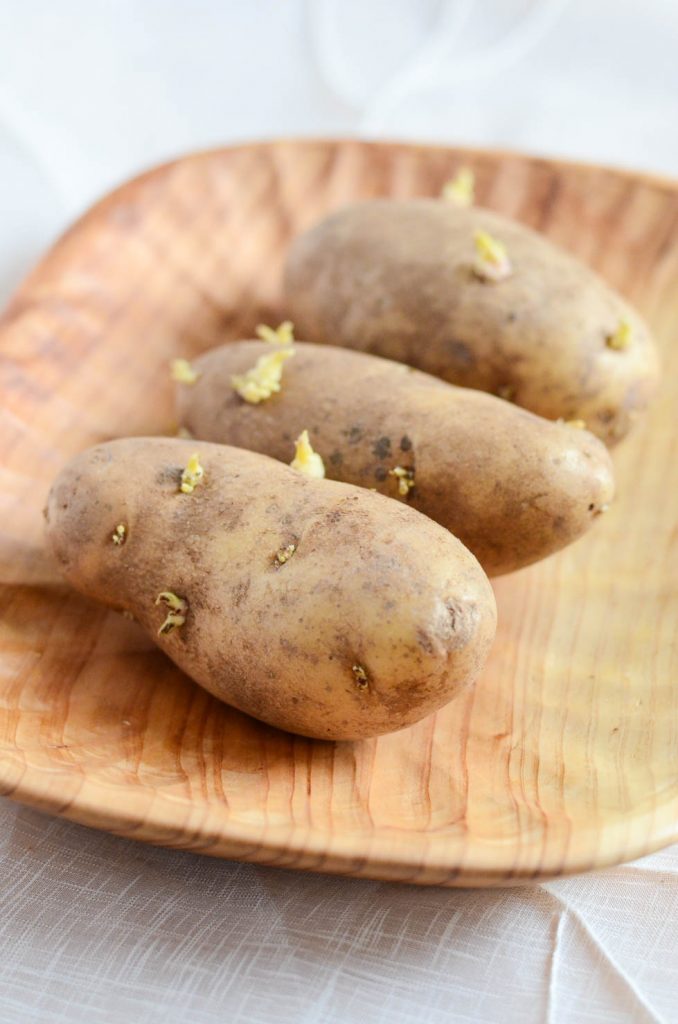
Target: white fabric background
pixel 99 930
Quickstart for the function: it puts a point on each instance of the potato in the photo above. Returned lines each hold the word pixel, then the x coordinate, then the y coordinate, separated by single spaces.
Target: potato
pixel 400 278
pixel 315 606
pixel 513 487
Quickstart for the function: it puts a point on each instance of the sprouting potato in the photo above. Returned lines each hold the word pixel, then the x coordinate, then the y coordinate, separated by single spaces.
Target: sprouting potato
pixel 512 486
pixel 316 606
pixel 478 300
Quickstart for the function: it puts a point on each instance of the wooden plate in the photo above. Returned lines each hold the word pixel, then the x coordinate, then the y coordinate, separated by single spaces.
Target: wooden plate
pixel 565 757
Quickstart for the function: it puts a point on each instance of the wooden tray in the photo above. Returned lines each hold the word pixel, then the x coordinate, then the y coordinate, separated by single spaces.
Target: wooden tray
pixel 565 757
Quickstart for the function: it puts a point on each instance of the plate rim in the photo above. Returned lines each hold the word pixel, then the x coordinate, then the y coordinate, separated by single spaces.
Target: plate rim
pixel 236 839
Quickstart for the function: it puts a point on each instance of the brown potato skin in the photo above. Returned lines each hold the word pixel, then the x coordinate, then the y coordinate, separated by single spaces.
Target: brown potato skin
pixel 511 486
pixel 372 583
pixel 395 278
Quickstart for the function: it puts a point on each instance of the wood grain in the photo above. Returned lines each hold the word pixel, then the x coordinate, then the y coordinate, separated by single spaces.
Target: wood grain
pixel 565 757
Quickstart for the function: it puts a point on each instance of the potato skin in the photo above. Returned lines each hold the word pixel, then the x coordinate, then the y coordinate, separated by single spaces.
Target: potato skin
pixel 371 583
pixel 511 486
pixel 395 278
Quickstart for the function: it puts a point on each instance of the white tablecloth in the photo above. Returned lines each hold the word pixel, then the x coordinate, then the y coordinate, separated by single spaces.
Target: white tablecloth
pixel 95 929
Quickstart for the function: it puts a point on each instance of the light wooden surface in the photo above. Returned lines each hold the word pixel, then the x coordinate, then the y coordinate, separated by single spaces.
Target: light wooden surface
pixel 565 757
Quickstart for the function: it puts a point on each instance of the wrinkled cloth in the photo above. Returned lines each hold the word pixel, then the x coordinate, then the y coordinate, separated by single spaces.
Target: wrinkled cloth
pixel 100 930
